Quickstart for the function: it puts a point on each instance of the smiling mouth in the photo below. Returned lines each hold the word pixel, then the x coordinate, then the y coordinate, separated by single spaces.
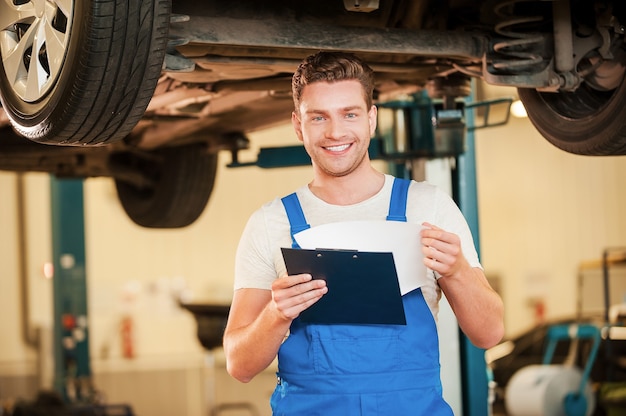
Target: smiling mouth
pixel 339 148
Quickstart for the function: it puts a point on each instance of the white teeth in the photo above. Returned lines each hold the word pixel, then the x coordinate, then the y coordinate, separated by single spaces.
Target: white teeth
pixel 338 148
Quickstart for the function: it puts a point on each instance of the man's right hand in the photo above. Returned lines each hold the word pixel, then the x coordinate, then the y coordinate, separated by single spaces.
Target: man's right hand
pixel 293 294
pixel 259 319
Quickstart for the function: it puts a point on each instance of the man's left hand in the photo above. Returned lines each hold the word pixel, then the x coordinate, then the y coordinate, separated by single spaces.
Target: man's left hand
pixel 442 251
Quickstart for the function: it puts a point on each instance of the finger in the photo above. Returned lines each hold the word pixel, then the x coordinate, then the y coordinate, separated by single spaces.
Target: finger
pixel 443 268
pixel 436 244
pixel 431 226
pixel 441 257
pixel 290 281
pixel 310 294
pixel 292 306
pixel 436 233
pixel 292 290
pixel 431 252
pixel 443 241
pixel 432 264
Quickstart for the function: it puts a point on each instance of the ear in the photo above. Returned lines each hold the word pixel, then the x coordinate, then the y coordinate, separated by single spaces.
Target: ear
pixel 297 125
pixel 373 118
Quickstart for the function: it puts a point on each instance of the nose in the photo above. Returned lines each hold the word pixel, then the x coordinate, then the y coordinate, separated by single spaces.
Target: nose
pixel 335 129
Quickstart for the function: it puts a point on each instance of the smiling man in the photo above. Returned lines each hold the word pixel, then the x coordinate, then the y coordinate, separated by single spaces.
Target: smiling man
pixel 347 369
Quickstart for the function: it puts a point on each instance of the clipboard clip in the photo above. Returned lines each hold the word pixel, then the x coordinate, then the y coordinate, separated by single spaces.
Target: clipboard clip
pixel 355 253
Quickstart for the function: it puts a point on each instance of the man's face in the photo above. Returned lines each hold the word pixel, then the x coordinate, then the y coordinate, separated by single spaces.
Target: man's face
pixel 335 126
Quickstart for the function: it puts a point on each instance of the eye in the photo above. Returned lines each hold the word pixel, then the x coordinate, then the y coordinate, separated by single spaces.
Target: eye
pixel 351 115
pixel 317 118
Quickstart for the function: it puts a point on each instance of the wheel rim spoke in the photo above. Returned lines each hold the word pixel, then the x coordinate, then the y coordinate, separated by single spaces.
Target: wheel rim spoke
pixel 33 44
pixel 65 6
pixel 56 45
pixel 11 13
pixel 13 62
pixel 37 77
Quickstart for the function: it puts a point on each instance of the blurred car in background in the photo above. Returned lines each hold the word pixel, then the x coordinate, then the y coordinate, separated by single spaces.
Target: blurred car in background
pixel 529 347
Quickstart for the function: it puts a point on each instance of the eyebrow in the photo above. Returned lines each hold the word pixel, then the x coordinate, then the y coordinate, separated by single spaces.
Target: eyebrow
pixel 344 109
pixel 352 108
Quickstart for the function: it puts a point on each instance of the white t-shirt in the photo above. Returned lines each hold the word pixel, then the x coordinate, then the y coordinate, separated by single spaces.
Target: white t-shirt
pixel 259 260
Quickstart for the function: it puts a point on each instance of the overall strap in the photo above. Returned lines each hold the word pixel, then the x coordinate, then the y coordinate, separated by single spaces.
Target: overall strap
pixel 295 215
pixel 397 205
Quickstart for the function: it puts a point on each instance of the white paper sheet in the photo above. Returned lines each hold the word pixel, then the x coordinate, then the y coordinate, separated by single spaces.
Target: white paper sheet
pixel 400 238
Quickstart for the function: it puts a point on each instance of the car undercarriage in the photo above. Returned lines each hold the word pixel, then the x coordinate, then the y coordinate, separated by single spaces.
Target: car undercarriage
pixel 151 98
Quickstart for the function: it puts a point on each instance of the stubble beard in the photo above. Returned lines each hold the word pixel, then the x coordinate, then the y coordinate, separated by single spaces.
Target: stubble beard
pixel 338 174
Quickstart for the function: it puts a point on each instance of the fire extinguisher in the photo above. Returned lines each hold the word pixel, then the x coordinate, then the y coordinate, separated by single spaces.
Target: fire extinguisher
pixel 126 330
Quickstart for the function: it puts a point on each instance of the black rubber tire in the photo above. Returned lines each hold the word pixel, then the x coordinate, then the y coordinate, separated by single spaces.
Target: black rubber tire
pixel 584 122
pixel 183 181
pixel 111 64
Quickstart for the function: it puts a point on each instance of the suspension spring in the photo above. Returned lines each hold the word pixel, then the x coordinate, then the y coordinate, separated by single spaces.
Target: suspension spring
pixel 520 48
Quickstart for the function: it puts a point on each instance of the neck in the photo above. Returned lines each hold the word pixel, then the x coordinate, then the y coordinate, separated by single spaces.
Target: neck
pixel 349 189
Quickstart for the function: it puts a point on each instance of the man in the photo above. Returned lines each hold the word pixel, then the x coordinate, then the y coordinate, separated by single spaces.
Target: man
pixel 351 369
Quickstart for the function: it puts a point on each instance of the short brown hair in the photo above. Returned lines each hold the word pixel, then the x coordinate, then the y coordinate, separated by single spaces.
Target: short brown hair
pixel 331 67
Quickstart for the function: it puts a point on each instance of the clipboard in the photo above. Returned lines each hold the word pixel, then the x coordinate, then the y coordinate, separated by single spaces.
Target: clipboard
pixel 362 286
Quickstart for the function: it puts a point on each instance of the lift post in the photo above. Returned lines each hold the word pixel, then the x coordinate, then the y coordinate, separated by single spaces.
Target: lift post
pixel 474 378
pixel 72 373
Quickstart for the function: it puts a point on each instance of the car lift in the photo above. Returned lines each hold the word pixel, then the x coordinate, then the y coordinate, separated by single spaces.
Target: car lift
pixel 433 129
pixel 72 366
pixel 72 373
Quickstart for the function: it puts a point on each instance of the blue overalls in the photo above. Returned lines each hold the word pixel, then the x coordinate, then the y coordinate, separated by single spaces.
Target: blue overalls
pixel 347 370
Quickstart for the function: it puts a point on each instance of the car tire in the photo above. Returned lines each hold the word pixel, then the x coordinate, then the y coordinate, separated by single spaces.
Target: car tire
pixel 182 180
pixel 585 122
pixel 94 78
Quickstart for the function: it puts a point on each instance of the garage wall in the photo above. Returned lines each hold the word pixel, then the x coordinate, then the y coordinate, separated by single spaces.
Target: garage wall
pixel 17 357
pixel 543 212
